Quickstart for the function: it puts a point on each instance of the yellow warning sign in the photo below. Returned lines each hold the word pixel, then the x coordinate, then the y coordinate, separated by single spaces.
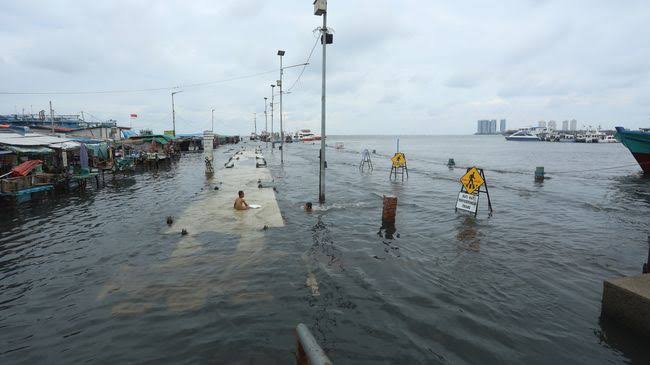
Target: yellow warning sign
pixel 472 180
pixel 399 160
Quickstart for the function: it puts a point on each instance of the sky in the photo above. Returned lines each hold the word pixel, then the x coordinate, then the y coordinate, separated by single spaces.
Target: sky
pixel 395 67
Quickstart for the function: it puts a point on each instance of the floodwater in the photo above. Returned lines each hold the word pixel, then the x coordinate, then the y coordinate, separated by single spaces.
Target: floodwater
pixel 97 277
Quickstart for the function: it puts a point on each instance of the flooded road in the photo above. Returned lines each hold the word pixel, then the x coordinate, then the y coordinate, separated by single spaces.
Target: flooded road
pixel 99 277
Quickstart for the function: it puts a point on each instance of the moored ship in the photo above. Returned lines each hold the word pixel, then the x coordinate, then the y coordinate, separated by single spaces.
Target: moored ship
pixel 638 142
pixel 525 135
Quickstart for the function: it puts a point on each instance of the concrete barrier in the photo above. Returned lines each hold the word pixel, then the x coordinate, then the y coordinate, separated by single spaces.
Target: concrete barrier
pixel 627 301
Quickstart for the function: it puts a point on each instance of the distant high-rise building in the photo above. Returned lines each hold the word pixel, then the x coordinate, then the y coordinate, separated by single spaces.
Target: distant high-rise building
pixel 541 124
pixel 574 124
pixel 481 127
pixel 502 126
pixel 552 125
pixel 486 126
pixel 565 125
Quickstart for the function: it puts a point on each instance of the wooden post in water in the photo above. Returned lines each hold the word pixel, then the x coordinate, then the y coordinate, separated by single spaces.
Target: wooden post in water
pixel 389 211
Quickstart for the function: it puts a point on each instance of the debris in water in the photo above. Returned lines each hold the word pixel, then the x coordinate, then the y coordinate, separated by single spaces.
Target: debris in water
pixel 312 284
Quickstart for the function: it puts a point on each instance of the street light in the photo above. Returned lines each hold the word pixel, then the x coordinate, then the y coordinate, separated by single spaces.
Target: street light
pixel 320 8
pixel 255 125
pixel 174 113
pixel 266 123
pixel 281 53
pixel 272 113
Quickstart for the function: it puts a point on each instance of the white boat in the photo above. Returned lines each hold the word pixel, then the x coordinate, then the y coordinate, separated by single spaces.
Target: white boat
pixel 609 139
pixel 305 135
pixel 523 135
pixel 591 136
pixel 566 138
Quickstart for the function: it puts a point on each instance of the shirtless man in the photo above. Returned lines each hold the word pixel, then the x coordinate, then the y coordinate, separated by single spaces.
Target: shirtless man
pixel 240 203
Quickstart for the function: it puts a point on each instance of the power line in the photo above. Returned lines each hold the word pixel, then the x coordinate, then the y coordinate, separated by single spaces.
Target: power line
pixel 125 91
pixel 305 66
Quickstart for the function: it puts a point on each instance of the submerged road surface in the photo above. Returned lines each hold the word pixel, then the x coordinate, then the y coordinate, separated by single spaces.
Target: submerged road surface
pixel 214 214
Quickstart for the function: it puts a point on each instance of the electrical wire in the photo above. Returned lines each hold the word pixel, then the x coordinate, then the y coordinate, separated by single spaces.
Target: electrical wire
pixel 125 91
pixel 305 66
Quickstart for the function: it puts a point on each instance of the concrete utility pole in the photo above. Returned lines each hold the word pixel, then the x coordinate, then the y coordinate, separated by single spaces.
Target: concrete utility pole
pixel 320 8
pixel 212 129
pixel 255 124
pixel 52 116
pixel 266 123
pixel 272 113
pixel 281 53
pixel 174 113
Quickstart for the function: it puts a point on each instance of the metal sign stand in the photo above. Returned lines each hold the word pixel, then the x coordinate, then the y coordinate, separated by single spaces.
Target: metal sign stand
pixel 394 171
pixel 365 161
pixel 481 189
pixel 399 166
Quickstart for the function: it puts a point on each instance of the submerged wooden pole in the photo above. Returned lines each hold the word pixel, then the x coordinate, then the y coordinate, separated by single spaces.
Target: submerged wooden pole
pixel 389 211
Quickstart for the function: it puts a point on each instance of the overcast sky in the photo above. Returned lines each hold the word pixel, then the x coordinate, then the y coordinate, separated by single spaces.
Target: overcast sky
pixel 396 67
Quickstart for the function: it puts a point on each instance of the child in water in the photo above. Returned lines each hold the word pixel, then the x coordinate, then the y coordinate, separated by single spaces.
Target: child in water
pixel 240 203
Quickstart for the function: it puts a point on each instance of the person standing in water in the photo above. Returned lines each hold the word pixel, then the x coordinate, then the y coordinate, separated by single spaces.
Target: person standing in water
pixel 240 203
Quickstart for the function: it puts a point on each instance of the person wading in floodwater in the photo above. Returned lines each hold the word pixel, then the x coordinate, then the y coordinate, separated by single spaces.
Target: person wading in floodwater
pixel 308 207
pixel 240 203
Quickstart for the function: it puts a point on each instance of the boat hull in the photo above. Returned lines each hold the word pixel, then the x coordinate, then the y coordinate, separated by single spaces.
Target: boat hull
pixel 644 161
pixel 523 139
pixel 638 142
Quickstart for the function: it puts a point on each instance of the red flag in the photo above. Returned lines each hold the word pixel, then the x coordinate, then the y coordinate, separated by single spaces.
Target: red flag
pixel 134 115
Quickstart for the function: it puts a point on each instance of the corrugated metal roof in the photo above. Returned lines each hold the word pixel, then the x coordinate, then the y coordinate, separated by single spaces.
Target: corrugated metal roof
pixel 38 150
pixel 29 139
pixel 70 145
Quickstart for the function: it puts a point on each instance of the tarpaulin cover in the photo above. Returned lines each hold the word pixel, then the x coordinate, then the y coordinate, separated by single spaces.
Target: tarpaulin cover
pixel 29 139
pixel 128 134
pixel 24 168
pixel 99 150
pixel 83 156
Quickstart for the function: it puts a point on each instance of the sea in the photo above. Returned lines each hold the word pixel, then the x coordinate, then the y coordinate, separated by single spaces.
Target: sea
pixel 86 277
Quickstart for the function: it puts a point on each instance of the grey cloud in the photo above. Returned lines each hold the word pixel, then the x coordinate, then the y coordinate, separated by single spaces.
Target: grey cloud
pixel 463 81
pixel 445 62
